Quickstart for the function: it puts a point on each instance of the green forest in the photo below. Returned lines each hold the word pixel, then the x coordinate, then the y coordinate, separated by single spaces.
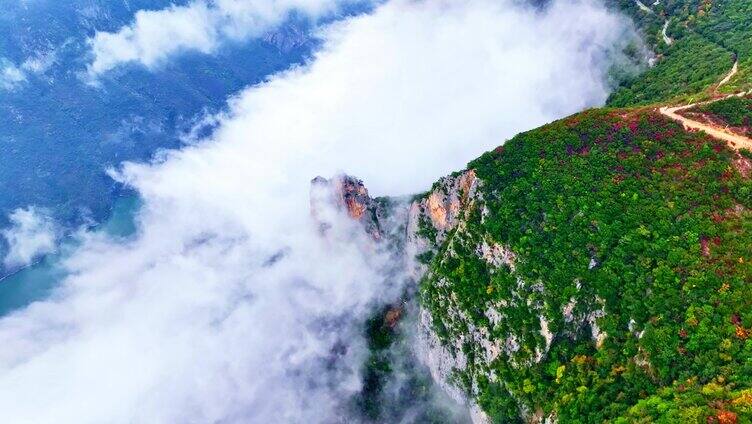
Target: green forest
pixel 708 36
pixel 734 112
pixel 666 217
pixel 628 299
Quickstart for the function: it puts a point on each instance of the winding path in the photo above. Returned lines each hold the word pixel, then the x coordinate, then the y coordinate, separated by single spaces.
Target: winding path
pixel 642 6
pixel 727 78
pixel 666 38
pixel 646 9
pixel 734 141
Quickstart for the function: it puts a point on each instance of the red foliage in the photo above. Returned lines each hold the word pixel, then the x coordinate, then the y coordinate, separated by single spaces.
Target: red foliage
pixel 704 246
pixel 743 165
pixel 726 417
pixel 741 332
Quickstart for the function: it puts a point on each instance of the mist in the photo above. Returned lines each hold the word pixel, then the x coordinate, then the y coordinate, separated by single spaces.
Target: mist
pixel 32 233
pixel 156 35
pixel 229 305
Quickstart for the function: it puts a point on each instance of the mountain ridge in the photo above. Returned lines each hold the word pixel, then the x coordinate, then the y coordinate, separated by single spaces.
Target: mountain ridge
pixel 596 269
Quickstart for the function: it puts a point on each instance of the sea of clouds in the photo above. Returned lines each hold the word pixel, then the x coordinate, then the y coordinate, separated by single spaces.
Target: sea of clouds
pixel 229 305
pixel 200 25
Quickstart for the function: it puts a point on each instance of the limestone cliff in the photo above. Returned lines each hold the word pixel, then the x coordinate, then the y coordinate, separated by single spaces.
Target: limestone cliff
pixel 348 194
pixel 595 269
pixel 560 275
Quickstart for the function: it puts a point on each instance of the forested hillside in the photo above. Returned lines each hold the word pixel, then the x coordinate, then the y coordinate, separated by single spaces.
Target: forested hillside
pixel 628 294
pixel 598 269
pixel 735 112
pixel 703 40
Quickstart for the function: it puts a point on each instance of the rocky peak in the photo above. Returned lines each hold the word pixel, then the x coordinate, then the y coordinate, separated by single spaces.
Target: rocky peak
pixel 443 207
pixel 347 194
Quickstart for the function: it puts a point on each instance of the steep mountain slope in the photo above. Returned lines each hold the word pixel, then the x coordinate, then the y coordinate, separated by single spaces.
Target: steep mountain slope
pixel 708 37
pixel 595 268
pixel 733 114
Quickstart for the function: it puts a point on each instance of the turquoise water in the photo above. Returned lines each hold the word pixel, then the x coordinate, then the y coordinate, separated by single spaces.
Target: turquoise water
pixel 122 222
pixel 38 281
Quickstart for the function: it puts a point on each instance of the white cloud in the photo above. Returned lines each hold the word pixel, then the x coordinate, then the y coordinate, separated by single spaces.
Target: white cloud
pixel 40 63
pixel 10 75
pixel 190 322
pixel 32 233
pixel 154 35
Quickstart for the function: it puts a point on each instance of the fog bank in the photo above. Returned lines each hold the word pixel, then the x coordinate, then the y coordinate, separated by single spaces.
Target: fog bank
pixel 229 305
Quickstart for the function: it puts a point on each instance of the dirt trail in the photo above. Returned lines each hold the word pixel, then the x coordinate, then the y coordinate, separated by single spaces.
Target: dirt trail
pixel 727 78
pixel 646 9
pixel 734 141
pixel 666 38
pixel 642 6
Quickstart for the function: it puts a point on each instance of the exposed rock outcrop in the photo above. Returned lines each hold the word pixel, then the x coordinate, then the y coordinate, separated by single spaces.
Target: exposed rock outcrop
pixel 431 219
pixel 443 206
pixel 458 345
pixel 348 194
pixel 462 346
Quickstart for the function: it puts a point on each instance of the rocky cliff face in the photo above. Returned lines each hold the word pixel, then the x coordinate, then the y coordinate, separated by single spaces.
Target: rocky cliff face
pixel 433 219
pixel 595 269
pixel 407 393
pixel 347 194
pixel 456 349
pixel 562 275
pixel 457 343
pixel 464 341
